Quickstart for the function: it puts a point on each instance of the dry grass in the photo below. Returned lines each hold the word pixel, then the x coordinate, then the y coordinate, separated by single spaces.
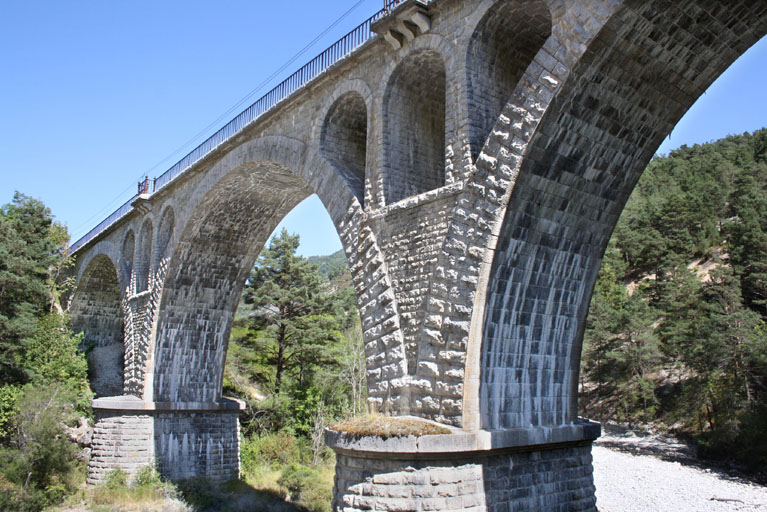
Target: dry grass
pixel 388 426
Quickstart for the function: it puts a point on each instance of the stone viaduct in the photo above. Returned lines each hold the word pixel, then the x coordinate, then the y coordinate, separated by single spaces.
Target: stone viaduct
pixel 474 157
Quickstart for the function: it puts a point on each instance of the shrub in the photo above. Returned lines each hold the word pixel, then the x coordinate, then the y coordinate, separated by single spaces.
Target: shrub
pixel 9 396
pixel 272 449
pixel 116 479
pixel 307 487
pixel 41 455
pixel 198 491
pixel 147 477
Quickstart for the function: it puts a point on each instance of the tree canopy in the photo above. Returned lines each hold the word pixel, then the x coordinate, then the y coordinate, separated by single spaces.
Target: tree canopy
pixel 676 328
pixel 31 254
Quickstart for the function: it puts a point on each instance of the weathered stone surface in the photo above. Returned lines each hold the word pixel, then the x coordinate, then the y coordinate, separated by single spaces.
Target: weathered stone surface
pixel 180 439
pixel 474 167
pixel 527 477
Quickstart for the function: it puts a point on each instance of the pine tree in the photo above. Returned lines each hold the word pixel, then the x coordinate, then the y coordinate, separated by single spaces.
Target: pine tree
pixel 720 353
pixel 291 311
pixel 31 250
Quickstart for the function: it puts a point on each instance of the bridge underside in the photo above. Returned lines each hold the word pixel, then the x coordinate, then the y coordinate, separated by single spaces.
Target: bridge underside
pixel 474 161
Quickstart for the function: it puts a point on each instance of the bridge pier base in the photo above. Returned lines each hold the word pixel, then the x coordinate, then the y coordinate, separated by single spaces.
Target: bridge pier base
pixel 180 439
pixel 545 468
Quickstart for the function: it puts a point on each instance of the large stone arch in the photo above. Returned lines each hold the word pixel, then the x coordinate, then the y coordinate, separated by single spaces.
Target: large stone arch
pixel 217 249
pixel 235 208
pixel 237 205
pixel 635 80
pixel 96 309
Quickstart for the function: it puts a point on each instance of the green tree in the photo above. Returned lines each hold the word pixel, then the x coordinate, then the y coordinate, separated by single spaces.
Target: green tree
pixel 290 311
pixel 43 383
pixel 31 253
pixel 747 236
pixel 603 332
pixel 719 354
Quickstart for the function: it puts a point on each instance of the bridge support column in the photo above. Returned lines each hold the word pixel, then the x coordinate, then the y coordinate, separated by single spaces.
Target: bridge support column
pixel 181 439
pixel 545 468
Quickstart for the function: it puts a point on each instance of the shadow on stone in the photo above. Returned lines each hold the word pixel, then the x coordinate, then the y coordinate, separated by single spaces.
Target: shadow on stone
pixel 204 495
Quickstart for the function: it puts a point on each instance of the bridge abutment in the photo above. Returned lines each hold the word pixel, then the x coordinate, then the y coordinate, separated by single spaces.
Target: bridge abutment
pixel 180 439
pixel 541 468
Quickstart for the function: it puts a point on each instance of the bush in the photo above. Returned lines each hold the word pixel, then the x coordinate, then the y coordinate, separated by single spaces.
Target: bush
pixel 41 454
pixel 14 498
pixel 146 488
pixel 116 479
pixel 271 449
pixel 9 396
pixel 147 477
pixel 294 478
pixel 198 491
pixel 307 487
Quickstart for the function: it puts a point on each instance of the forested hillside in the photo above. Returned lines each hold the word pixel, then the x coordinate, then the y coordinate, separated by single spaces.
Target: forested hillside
pixel 676 332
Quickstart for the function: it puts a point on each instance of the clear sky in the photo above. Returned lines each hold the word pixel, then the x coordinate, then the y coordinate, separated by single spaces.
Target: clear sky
pixel 95 94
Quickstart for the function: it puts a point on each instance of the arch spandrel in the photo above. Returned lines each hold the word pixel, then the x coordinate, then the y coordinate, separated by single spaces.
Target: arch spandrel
pixel 633 83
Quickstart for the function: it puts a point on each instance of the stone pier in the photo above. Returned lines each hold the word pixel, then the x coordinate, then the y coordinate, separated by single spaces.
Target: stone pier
pixel 532 469
pixel 180 439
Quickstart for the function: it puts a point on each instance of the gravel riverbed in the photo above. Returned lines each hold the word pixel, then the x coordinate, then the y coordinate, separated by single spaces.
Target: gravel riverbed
pixel 643 473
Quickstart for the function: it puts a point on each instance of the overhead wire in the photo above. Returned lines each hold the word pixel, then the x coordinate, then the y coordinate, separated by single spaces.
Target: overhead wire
pixel 231 110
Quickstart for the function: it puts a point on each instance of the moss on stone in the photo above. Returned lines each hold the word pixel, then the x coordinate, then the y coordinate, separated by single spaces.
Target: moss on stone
pixel 388 426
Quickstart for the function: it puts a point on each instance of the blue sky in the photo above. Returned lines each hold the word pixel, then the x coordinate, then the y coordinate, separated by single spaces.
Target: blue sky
pixel 95 94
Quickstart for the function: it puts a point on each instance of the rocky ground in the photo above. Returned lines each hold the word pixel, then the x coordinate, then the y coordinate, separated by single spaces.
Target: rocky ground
pixel 638 472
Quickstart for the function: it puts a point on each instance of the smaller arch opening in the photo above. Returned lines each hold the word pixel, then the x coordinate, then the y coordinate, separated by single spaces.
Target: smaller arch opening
pixel 165 231
pixel 128 253
pixel 502 47
pixel 414 127
pixel 144 260
pixel 344 140
pixel 96 310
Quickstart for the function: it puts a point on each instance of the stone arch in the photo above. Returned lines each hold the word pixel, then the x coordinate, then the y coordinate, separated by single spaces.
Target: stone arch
pixel 143 264
pixel 231 212
pixel 343 139
pixel 165 232
pixel 96 309
pixel 592 144
pixel 503 45
pixel 415 126
pixel 127 255
pixel 238 204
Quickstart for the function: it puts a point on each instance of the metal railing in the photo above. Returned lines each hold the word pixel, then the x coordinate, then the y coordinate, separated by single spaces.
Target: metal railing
pixel 308 72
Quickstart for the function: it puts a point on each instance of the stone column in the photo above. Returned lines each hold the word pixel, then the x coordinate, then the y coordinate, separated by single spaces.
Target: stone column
pixel 545 468
pixel 182 439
